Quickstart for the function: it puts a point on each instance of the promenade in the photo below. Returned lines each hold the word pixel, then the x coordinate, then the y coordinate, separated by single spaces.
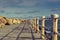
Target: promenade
pixel 21 31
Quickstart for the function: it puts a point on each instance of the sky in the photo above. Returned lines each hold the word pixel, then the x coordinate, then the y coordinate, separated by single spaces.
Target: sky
pixel 29 8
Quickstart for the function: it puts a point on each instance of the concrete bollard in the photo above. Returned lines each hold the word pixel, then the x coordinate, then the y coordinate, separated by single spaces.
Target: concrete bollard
pixel 55 26
pixel 43 26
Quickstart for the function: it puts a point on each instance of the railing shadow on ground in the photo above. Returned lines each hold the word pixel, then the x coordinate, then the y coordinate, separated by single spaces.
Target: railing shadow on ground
pixel 33 38
pixel 9 33
pixel 20 33
pixel 32 34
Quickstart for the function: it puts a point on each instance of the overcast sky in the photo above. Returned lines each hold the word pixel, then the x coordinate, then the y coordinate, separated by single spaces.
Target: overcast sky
pixel 27 8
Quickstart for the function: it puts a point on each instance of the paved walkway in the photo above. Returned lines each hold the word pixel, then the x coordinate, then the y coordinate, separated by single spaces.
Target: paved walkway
pixel 19 32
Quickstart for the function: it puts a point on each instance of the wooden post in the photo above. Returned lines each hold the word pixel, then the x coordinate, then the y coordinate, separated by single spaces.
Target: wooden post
pixel 43 25
pixel 55 26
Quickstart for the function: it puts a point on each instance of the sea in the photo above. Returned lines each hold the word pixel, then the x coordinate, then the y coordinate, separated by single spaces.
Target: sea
pixel 49 26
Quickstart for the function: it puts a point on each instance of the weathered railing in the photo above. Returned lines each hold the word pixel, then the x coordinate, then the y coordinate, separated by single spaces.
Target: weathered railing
pixel 53 33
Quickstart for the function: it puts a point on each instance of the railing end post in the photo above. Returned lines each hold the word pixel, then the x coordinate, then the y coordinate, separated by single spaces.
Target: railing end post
pixel 54 16
pixel 43 16
pixel 55 26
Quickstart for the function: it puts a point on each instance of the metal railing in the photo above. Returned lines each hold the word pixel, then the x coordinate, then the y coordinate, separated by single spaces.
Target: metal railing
pixel 48 31
pixel 52 34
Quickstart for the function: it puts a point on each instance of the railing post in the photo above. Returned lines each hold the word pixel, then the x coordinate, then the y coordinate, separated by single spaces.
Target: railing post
pixel 55 26
pixel 38 25
pixel 43 25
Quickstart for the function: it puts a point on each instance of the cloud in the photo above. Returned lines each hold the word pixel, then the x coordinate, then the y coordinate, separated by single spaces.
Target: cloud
pixel 53 0
pixel 29 3
pixel 18 2
pixel 34 11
